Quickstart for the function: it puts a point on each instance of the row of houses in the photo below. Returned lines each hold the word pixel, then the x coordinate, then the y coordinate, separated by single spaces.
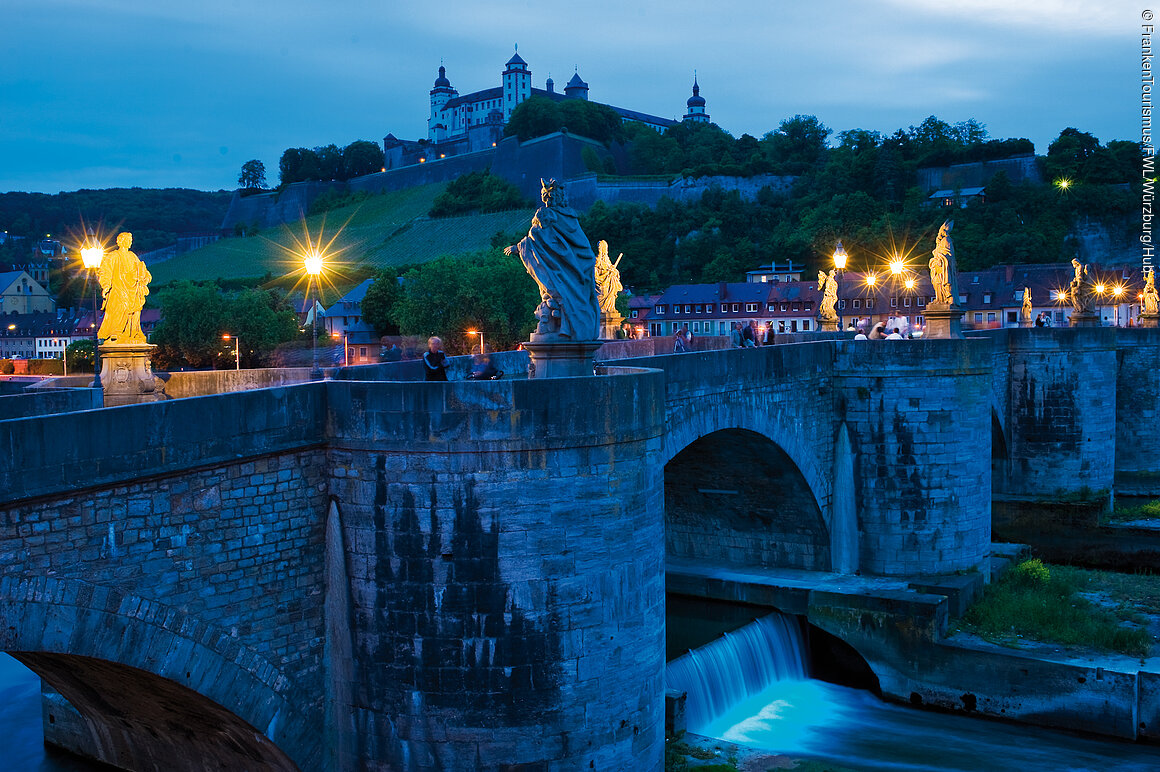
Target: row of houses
pixel 992 298
pixel 46 335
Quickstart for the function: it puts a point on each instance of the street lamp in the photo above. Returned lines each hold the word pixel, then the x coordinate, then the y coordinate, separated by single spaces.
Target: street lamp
pixel 1117 293
pixel 897 265
pixel 480 334
pixel 91 256
pixel 312 261
pixel 840 258
pixel 345 347
pixel 237 350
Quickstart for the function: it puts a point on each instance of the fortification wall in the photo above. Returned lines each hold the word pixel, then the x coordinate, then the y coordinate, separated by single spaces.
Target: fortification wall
pixel 1137 432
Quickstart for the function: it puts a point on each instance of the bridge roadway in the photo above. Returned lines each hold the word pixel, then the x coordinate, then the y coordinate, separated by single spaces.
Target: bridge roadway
pixel 372 574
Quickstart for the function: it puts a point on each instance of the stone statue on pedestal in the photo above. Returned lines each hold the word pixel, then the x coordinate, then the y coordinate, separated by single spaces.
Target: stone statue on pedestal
pixel 558 255
pixel 1151 304
pixel 608 288
pixel 1079 293
pixel 828 286
pixel 126 369
pixel 944 275
pixel 944 316
pixel 124 281
pixel 1027 306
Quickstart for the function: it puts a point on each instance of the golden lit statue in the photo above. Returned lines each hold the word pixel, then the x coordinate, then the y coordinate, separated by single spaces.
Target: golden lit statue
pixel 1151 299
pixel 1026 304
pixel 608 285
pixel 1079 293
pixel 124 283
pixel 828 286
pixel 943 271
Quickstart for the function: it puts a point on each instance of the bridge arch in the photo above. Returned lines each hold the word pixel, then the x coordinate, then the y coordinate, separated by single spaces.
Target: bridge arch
pixel 735 496
pixel 154 687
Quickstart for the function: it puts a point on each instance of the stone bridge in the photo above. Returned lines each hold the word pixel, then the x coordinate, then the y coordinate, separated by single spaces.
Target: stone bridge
pixel 367 573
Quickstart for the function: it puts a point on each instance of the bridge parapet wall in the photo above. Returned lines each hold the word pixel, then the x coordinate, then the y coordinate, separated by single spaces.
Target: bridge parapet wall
pixel 505 552
pixel 918 413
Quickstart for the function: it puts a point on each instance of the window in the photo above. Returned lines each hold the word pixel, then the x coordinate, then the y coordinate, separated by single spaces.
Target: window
pixel 654 328
pixel 1012 317
pixel 659 309
pixel 677 308
pixel 724 308
pixel 696 326
pixel 805 324
pixel 857 303
pixel 769 306
pixel 783 307
pixel 991 316
pixel 869 302
pixel 810 306
pixel 962 299
pixel 921 302
pixel 986 297
pixel 700 309
pixel 796 306
pixel 974 279
pixel 736 307
pixel 842 304
pixel 978 317
pixel 894 302
pixel 688 309
pixel 362 351
pixel 751 308
pixel 906 302
pixel 918 321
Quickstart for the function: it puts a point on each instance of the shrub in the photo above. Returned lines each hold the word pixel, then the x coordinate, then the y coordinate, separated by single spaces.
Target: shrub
pixel 6 367
pixel 1031 573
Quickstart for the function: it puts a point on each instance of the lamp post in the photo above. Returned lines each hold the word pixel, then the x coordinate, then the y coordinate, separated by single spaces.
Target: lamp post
pixel 91 256
pixel 480 334
pixel 313 264
pixel 237 350
pixel 345 347
pixel 1117 293
pixel 1100 288
pixel 840 258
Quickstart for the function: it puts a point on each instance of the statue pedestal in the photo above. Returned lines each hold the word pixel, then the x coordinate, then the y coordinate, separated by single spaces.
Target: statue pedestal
pixel 127 375
pixel 1084 320
pixel 561 359
pixel 609 326
pixel 829 325
pixel 943 323
pixel 1149 320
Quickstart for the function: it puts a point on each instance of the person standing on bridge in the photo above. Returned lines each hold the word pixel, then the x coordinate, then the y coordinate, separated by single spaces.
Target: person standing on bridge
pixel 435 361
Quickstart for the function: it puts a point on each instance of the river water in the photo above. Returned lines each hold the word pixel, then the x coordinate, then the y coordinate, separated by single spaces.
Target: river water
pixel 22 749
pixel 746 688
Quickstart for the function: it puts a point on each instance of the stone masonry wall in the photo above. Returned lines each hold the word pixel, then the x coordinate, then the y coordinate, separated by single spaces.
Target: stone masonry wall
pixel 920 421
pixel 228 557
pixel 1062 421
pixel 505 550
pixel 1137 438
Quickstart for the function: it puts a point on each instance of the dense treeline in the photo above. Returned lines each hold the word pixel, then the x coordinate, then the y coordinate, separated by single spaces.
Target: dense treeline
pixel 862 190
pixel 538 116
pixel 330 162
pixel 155 216
pixel 195 316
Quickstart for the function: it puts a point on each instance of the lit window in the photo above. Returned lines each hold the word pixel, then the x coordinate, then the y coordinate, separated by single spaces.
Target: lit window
pixel 677 308
pixel 978 317
pixel 986 297
pixel 700 309
pixel 991 316
pixel 736 307
pixel 659 309
pixel 751 308
pixel 688 309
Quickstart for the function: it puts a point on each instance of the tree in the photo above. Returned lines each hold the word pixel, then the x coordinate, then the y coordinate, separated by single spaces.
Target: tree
pixel 297 164
pixel 253 176
pixel 79 355
pixel 361 157
pixel 798 143
pixel 533 117
pixel 1068 155
pixel 486 291
pixel 378 305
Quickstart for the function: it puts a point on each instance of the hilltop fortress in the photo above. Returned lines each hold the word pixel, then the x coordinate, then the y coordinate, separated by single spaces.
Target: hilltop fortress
pixel 474 122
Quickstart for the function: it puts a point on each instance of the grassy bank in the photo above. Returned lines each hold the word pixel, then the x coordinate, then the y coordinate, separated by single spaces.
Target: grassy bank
pixel 1070 606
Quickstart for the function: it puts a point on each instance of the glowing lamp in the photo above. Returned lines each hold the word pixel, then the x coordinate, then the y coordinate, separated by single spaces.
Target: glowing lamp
pixel 910 284
pixel 896 265
pixel 1063 184
pixel 313 262
pixel 91 257
pixel 840 257
pixel 1101 289
pixel 1117 291
pixel 871 280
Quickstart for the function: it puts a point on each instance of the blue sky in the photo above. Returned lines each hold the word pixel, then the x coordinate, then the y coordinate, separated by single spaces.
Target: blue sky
pixel 157 93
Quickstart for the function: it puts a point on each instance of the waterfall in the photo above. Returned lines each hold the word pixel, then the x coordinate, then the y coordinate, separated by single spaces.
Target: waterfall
pixel 738 665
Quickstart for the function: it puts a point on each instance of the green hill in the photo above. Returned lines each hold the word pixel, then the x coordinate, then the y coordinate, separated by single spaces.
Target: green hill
pixel 387 229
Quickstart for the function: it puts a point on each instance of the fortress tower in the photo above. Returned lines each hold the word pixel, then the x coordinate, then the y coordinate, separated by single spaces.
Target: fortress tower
pixel 441 94
pixel 696 105
pixel 517 84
